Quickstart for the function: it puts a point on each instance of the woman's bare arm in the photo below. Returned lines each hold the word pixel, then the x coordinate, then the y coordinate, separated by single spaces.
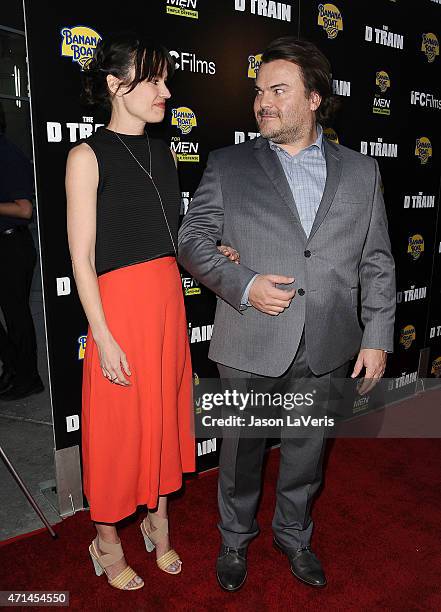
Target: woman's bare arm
pixel 81 191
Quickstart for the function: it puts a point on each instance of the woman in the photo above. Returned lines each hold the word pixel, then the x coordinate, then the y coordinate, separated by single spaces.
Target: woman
pixel 123 203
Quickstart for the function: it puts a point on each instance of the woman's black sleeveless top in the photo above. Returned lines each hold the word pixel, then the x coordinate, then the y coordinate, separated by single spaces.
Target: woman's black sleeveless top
pixel 130 225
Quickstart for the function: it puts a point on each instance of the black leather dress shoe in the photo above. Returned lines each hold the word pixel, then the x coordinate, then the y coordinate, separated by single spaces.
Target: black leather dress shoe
pixel 304 565
pixel 231 567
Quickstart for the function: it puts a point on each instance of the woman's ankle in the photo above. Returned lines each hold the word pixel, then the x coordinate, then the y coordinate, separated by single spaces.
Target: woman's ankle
pixel 156 514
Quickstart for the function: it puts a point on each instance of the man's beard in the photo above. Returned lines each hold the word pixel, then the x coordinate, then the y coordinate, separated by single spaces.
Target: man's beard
pixel 284 134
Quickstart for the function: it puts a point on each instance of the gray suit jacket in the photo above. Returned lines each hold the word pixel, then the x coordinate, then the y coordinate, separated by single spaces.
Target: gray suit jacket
pixel 244 200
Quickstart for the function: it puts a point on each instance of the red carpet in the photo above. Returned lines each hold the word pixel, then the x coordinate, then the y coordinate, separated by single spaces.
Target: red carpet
pixel 377 534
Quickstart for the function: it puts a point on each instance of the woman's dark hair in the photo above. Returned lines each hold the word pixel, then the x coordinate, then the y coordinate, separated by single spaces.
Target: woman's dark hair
pixel 115 54
pixel 315 69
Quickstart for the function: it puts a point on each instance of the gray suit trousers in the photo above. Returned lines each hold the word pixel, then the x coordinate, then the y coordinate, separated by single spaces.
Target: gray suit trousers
pixel 300 470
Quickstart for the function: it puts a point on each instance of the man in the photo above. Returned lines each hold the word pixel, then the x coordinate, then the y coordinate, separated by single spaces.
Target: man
pixel 18 347
pixel 308 219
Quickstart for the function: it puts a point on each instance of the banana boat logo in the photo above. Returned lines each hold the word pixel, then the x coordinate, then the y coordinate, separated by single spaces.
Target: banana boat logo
pixel 79 43
pixel 415 247
pixel 407 336
pixel 436 367
pixel 423 149
pixel 81 346
pixel 197 404
pixel 254 62
pixel 184 119
pixel 331 135
pixel 382 81
pixel 329 17
pixel 430 46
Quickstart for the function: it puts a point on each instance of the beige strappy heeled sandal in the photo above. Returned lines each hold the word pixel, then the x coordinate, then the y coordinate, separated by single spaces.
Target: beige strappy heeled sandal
pixel 153 537
pixel 112 554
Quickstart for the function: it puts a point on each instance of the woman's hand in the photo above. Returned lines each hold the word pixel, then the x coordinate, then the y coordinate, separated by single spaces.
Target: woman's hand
pixel 229 252
pixel 113 362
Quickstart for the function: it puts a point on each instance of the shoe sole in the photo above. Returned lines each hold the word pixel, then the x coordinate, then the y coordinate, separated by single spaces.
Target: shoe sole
pixel 311 584
pixel 232 590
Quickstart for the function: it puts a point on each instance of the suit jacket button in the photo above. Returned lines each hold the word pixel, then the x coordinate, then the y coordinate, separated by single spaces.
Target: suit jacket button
pixel 307 253
pixel 301 291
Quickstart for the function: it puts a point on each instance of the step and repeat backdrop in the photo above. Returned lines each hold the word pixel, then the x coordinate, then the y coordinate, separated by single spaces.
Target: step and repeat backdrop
pixel 386 69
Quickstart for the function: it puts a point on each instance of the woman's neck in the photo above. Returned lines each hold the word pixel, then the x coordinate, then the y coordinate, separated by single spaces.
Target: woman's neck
pixel 128 125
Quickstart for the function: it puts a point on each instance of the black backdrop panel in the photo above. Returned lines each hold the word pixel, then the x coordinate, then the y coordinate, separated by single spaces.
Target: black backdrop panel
pixel 213 55
pixel 386 73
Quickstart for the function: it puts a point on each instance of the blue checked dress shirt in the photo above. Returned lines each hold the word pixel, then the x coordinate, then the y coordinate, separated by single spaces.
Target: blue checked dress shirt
pixel 306 175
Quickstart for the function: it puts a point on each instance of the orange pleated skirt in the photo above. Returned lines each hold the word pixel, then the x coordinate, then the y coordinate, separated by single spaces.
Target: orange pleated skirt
pixel 138 440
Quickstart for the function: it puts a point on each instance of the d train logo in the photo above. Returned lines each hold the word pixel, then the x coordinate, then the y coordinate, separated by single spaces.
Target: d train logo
pixel 254 62
pixel 423 149
pixel 79 43
pixel 184 119
pixel 331 135
pixel 81 346
pixel 407 336
pixel 436 367
pixel 382 81
pixel 329 17
pixel 430 46
pixel 415 247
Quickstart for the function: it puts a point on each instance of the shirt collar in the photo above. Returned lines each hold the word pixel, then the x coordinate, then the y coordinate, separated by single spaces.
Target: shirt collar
pixel 318 143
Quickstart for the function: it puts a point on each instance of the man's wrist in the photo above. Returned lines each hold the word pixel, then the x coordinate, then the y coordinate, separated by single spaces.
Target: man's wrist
pixel 244 302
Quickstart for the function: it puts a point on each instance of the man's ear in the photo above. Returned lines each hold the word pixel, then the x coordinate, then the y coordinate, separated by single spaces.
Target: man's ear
pixel 113 83
pixel 315 100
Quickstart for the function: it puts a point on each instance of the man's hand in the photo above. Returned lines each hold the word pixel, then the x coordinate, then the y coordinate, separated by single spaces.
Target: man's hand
pixel 229 252
pixel 374 360
pixel 265 296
